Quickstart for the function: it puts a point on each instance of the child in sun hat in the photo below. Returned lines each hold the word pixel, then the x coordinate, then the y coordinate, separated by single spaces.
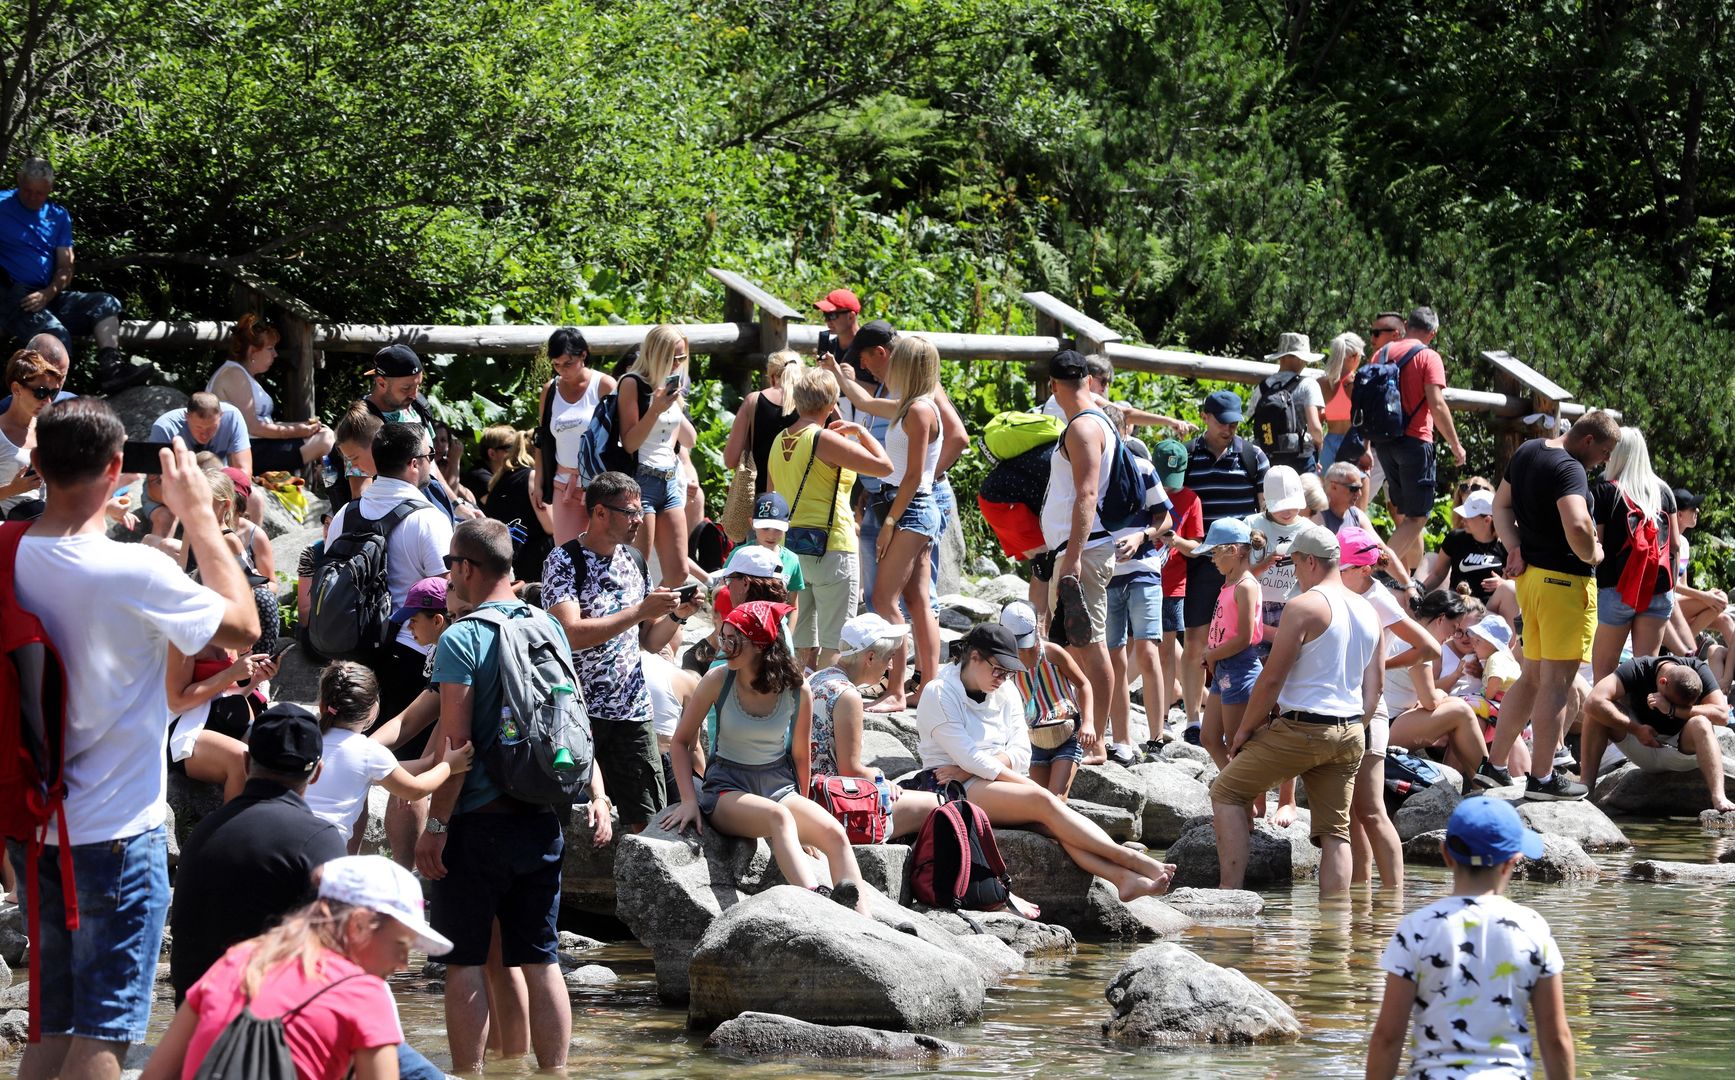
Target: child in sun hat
pixel 1466 972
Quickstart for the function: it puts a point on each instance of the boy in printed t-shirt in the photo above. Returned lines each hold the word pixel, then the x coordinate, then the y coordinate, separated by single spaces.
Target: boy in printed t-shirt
pixel 1465 971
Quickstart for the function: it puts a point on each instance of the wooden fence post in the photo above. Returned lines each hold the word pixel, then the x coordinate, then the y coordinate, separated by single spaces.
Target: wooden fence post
pixel 1516 379
pixel 297 348
pixel 740 300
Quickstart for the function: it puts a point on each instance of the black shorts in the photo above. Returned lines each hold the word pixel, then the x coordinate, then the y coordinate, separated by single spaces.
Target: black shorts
pixel 632 768
pixel 506 867
pixel 1204 582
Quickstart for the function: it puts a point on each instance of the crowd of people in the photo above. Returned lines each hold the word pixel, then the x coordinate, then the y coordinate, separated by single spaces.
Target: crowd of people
pixel 1237 576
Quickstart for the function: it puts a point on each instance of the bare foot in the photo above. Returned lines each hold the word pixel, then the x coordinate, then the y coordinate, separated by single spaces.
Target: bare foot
pixel 887 703
pixel 1284 815
pixel 1024 907
pixel 1134 885
pixel 1722 806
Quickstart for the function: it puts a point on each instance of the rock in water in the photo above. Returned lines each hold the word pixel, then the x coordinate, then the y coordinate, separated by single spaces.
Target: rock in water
pixel 1426 811
pixel 1563 858
pixel 1109 785
pixel 1166 995
pixel 14 944
pixel 1042 873
pixel 1120 824
pixel 1578 820
pixel 797 953
pixel 1631 790
pixel 1025 937
pixel 1274 856
pixel 1212 905
pixel 1718 873
pixel 587 872
pixel 1173 796
pixel 590 975
pixel 665 895
pixel 756 1034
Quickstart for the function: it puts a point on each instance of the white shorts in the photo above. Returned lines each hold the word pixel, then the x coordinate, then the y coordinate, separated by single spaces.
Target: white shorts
pixel 1665 758
pixel 1379 730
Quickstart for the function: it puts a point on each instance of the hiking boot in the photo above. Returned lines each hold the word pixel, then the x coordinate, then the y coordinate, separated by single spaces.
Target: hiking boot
pixel 115 373
pixel 1557 788
pixel 1123 755
pixel 1490 775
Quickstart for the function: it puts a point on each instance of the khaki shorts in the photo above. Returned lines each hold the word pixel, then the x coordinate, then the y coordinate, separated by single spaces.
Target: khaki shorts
pixel 1325 757
pixel 833 593
pixel 1665 758
pixel 1559 612
pixel 1095 569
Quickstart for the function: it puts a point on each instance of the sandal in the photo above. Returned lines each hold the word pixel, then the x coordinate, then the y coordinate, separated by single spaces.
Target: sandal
pixel 1074 616
pixel 876 690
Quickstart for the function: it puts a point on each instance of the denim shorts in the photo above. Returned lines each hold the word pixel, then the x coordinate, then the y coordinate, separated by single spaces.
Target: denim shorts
pixel 499 866
pixel 1232 678
pixel 1611 610
pixel 1070 750
pixel 921 517
pixel 659 490
pixel 70 314
pixel 97 980
pixel 1136 610
pixel 1174 614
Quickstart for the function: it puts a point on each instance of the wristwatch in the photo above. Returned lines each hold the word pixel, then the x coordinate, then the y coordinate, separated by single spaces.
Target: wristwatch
pixel 436 826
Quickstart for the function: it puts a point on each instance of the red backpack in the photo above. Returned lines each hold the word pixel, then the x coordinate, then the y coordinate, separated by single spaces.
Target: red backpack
pixel 856 804
pixel 32 746
pixel 957 863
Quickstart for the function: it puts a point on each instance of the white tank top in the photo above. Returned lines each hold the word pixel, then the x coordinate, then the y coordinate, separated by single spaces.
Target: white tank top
pixel 898 449
pixel 569 419
pixel 1057 506
pixel 262 404
pixel 1327 676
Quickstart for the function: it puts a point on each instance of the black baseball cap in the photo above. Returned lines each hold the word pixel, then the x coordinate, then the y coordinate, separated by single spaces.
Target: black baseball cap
pixel 395 362
pixel 286 740
pixel 1686 500
pixel 996 642
pixel 1068 364
pixel 871 335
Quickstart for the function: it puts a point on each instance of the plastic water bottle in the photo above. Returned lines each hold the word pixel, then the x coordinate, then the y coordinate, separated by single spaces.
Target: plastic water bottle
pixel 508 726
pixel 562 756
pixel 328 472
pixel 885 793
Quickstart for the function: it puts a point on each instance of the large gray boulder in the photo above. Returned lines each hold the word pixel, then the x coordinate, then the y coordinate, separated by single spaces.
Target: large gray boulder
pixel 1563 858
pixel 1216 905
pixel 280 521
pixel 760 1035
pixel 1717 873
pixel 900 726
pixel 1578 820
pixel 139 406
pixel 1426 811
pixel 1110 785
pixel 1165 995
pixel 887 753
pixel 1024 936
pixel 14 1027
pixel 796 953
pixel 190 802
pixel 1274 856
pixel 1174 795
pixel 999 591
pixel 666 895
pixel 1120 824
pixel 1631 790
pixel 1090 907
pixel 14 945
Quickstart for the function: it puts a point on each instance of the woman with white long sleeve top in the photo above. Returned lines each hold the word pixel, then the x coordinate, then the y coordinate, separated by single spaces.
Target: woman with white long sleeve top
pixel 971 728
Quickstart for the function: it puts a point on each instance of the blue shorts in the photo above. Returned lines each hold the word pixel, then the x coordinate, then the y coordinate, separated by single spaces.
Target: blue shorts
pixel 1070 750
pixel 1409 466
pixel 97 981
pixel 499 866
pixel 1134 610
pixel 1611 610
pixel 659 490
pixel 1174 614
pixel 1328 451
pixel 921 517
pixel 68 315
pixel 1232 678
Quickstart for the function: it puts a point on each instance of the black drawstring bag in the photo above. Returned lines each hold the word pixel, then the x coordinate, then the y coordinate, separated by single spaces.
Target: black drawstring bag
pixel 249 1048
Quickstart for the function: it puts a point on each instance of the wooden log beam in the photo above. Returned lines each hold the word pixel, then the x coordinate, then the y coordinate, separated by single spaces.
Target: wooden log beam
pixel 1089 336
pixel 605 340
pixel 804 338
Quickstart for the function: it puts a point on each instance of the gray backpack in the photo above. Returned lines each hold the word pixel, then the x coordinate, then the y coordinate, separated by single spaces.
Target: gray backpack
pixel 543 751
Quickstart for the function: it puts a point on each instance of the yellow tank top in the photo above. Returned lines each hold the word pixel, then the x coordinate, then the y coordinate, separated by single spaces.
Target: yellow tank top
pixel 789 457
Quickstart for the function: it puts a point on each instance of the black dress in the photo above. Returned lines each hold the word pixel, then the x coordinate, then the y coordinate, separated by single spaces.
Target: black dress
pixel 769 421
pixel 509 501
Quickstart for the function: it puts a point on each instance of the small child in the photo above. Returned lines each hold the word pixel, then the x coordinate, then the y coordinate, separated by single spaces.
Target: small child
pixel 770 524
pixel 1232 660
pixel 349 704
pixel 1492 639
pixel 1463 971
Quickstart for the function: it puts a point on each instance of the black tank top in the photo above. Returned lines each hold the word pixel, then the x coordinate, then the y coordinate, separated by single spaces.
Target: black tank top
pixel 769 421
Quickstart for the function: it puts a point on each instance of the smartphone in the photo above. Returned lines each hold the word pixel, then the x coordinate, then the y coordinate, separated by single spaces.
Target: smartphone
pixel 281 648
pixel 141 457
pixel 827 343
pixel 688 592
pixel 672 384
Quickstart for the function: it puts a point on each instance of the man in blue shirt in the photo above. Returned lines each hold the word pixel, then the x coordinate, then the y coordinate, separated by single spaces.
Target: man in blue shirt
pixel 35 270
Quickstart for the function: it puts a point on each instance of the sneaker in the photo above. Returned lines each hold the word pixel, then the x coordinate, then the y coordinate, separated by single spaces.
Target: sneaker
pixel 1192 735
pixel 1564 761
pixel 1490 775
pixel 1123 755
pixel 1557 788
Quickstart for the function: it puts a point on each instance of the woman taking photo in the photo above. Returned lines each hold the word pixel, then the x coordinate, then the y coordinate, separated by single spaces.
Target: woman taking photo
pixel 912 520
pixel 972 730
pixel 1635 582
pixel 568 404
pixel 814 466
pixel 651 422
pixel 758 765
pixel 509 496
pixel 277 445
pixel 33 382
pixel 762 416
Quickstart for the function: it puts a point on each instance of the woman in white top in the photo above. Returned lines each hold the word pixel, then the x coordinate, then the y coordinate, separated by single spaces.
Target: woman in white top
pixel 276 444
pixel 32 381
pixel 912 519
pixel 649 398
pixel 972 730
pixel 567 406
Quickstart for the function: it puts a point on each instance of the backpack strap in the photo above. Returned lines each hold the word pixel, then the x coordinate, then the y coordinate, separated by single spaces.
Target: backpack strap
pixel 954 819
pixel 1402 363
pixel 990 846
pixel 575 553
pixel 290 1014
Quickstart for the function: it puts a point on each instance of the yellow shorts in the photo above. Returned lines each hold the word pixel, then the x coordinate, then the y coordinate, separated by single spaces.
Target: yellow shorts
pixel 1559 612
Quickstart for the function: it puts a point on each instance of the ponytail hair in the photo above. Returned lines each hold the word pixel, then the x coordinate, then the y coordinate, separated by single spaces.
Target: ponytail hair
pixel 1440 604
pixel 518 447
pixel 782 369
pixel 251 332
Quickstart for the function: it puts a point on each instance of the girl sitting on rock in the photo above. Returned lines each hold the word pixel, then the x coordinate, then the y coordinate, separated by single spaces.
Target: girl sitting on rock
pixel 1055 694
pixel 972 731
pixel 759 761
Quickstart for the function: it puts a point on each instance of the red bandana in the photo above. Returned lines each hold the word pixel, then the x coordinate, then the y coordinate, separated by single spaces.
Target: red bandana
pixel 759 620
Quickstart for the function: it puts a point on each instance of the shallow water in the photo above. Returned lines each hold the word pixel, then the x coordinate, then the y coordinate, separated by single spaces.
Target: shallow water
pixel 1648 972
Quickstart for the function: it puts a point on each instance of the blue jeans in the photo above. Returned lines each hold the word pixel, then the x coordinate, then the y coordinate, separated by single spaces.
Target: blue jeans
pixel 68 314
pixel 97 980
pixel 413 1066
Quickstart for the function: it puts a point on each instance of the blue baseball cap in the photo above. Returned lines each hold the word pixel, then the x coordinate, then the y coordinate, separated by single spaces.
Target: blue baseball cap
pixel 1491 832
pixel 1227 530
pixel 771 511
pixel 1225 405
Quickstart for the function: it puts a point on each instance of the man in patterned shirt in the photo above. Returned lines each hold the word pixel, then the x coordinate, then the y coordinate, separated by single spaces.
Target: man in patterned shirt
pixel 597 587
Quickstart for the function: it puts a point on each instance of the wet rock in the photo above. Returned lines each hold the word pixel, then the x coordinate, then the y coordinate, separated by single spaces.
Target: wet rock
pixel 887 753
pixel 666 896
pixel 1426 811
pixel 1120 824
pixel 1043 874
pixel 1274 856
pixel 793 952
pixel 590 975
pixel 756 1034
pixel 1631 790
pixel 1717 873
pixel 433 969
pixel 1721 822
pixel 1000 591
pixel 1173 796
pixel 14 945
pixel 1563 858
pixel 571 942
pixel 1210 905
pixel 1166 995
pixel 1578 820
pixel 587 872
pixel 138 407
pixel 1024 936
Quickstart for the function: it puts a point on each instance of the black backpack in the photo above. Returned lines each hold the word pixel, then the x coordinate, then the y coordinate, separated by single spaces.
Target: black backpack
pixel 956 863
pixel 251 1048
pixel 543 751
pixel 1278 425
pixel 1021 479
pixel 350 614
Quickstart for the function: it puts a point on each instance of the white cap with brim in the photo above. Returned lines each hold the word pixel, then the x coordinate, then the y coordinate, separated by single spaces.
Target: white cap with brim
pixel 378 884
pixel 750 560
pixel 1283 490
pixel 1479 504
pixel 864 631
pixel 1019 616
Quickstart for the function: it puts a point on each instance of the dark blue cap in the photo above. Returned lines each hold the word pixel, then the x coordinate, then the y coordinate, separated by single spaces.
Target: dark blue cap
pixel 1225 405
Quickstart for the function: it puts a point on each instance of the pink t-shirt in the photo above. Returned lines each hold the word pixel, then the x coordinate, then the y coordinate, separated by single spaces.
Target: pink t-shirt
pixel 323 1037
pixel 1224 620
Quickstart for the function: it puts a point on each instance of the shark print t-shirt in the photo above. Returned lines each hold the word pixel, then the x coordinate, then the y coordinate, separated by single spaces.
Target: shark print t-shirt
pixel 1475 961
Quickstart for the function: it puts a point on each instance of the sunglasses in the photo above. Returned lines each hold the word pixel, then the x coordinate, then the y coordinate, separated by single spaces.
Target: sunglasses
pixel 449 560
pixel 1000 672
pixel 1352 487
pixel 831 315
pixel 631 513
pixel 42 393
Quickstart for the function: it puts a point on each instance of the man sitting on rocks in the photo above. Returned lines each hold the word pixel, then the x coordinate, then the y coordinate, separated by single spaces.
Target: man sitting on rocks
pixel 1663 713
pixel 205 424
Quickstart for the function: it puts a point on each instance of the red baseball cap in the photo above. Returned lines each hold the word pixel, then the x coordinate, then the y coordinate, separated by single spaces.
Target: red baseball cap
pixel 838 300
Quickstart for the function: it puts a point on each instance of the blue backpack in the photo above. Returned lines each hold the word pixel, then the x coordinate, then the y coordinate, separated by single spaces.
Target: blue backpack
pixel 599 448
pixel 1375 400
pixel 1121 502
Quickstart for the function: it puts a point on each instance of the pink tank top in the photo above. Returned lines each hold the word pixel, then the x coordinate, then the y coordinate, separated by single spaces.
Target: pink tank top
pixel 1223 620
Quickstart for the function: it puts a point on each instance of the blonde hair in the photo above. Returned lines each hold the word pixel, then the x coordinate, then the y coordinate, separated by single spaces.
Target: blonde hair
pixel 815 391
pixel 656 360
pixel 781 370
pixel 1342 347
pixel 913 374
pixel 222 496
pixel 517 445
pixel 1629 469
pixel 305 935
pixel 1314 492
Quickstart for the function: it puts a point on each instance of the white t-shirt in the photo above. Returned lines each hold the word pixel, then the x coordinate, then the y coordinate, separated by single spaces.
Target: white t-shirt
pixel 351 764
pixel 1400 692
pixel 1475 961
pixel 660 684
pixel 417 548
pixel 1278 583
pixel 112 610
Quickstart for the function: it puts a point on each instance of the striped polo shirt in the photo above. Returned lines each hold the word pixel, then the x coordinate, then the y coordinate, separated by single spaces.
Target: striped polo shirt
pixel 1222 483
